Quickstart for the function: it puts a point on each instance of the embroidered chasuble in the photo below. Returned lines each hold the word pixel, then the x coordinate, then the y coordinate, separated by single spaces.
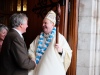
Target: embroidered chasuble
pixel 51 63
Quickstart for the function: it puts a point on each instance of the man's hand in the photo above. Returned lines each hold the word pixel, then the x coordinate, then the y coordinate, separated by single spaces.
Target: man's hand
pixel 34 61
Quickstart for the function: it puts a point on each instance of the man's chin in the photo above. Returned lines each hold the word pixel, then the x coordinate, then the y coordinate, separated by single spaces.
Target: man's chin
pixel 44 30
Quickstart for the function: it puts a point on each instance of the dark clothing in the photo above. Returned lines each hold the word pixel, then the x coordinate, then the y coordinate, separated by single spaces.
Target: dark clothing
pixel 0 47
pixel 14 58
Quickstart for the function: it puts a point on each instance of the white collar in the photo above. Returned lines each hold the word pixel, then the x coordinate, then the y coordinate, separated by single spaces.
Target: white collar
pixel 18 32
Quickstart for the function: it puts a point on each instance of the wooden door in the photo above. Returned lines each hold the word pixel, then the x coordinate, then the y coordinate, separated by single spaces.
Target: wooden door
pixel 72 34
pixel 68 25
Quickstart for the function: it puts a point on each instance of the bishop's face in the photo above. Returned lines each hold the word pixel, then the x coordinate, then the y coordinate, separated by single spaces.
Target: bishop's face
pixel 47 26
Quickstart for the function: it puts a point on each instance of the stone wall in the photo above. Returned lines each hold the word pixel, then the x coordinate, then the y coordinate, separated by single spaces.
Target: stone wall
pixel 88 52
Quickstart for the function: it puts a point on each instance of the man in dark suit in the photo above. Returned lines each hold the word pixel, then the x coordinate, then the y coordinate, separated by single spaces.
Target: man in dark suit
pixel 14 59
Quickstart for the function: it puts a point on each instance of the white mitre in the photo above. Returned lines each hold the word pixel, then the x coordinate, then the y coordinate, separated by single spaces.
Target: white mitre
pixel 51 15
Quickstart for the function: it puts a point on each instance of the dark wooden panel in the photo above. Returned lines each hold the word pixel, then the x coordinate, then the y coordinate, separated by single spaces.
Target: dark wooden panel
pixel 73 34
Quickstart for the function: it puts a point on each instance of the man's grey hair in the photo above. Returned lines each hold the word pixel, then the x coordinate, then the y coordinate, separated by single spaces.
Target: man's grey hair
pixel 2 26
pixel 16 19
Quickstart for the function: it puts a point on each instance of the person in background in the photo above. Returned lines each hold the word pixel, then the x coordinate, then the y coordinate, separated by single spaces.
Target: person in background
pixel 3 33
pixel 14 59
pixel 51 58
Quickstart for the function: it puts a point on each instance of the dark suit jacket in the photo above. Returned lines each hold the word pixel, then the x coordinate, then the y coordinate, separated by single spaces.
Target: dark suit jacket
pixel 14 58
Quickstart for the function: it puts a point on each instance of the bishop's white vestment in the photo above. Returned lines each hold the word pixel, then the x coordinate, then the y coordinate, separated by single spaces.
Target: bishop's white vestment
pixel 51 62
